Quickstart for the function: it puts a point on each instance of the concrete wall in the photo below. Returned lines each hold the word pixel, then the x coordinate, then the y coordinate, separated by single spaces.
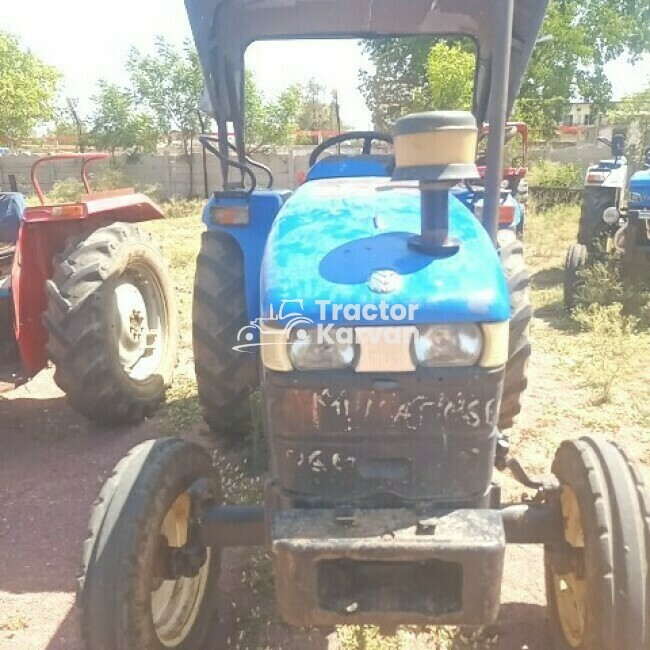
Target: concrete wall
pixel 170 174
pixel 583 154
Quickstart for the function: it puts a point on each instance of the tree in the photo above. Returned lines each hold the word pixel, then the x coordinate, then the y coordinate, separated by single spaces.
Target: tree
pixel 117 124
pixel 270 123
pixel 316 113
pixel 633 112
pixel 27 90
pixel 398 82
pixel 450 73
pixel 169 83
pixel 68 122
pixel 586 34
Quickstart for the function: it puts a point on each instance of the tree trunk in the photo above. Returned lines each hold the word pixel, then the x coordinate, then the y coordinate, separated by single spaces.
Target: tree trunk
pixel 189 151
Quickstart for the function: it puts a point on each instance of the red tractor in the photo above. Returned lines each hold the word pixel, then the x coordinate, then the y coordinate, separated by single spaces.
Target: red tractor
pixel 84 287
pixel 515 168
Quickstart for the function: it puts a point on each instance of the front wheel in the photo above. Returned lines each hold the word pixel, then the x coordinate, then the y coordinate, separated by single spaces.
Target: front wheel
pixel 225 377
pixel 143 585
pixel 596 582
pixel 111 323
pixel 576 260
pixel 592 229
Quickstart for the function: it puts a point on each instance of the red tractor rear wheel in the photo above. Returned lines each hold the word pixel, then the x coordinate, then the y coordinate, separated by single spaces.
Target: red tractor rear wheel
pixel 112 324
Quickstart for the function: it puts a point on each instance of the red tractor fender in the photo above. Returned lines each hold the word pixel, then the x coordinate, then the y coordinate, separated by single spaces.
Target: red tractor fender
pixel 43 234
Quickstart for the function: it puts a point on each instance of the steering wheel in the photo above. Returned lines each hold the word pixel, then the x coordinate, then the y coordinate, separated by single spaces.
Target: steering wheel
pixel 367 136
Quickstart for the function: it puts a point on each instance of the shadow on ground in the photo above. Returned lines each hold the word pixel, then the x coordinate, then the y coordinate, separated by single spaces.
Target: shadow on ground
pixel 548 278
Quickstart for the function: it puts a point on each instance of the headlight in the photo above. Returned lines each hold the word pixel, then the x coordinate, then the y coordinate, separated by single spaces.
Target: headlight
pixel 611 216
pixel 635 197
pixel 448 345
pixel 315 349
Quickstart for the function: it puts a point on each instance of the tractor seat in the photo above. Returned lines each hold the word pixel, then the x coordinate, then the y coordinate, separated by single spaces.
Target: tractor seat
pixel 12 208
pixel 343 166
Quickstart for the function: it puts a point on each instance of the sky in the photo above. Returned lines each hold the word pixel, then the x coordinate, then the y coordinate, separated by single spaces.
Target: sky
pixel 89 40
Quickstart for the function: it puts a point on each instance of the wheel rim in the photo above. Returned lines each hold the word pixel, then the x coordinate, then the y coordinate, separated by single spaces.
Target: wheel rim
pixel 140 322
pixel 175 604
pixel 571 588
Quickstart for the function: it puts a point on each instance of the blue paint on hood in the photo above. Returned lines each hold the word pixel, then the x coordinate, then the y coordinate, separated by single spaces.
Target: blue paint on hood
pixel 333 234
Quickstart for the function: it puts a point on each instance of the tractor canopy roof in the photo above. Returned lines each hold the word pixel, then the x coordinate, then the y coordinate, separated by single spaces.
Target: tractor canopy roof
pixel 223 29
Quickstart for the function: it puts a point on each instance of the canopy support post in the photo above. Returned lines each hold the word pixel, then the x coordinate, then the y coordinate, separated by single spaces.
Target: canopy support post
pixel 502 22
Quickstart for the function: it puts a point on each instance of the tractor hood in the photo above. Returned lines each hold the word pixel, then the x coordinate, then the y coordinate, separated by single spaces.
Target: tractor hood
pixel 345 242
pixel 640 190
pixel 223 29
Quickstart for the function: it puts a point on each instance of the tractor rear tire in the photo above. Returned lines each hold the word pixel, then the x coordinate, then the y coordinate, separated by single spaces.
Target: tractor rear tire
pixel 130 594
pixel 592 229
pixel 112 324
pixel 576 260
pixel 225 377
pixel 519 348
pixel 597 581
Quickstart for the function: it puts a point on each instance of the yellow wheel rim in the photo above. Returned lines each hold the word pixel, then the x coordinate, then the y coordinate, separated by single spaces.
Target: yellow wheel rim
pixel 175 604
pixel 571 589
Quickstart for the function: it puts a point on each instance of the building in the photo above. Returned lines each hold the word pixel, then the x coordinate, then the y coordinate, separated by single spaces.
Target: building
pixel 579 114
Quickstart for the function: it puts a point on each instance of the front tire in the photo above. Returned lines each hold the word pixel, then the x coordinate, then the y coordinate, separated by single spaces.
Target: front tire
pixel 112 324
pixel 126 596
pixel 592 229
pixel 225 377
pixel 519 351
pixel 597 582
pixel 576 260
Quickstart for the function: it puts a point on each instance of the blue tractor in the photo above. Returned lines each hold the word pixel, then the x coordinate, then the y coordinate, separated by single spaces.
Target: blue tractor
pixel 392 330
pixel 608 229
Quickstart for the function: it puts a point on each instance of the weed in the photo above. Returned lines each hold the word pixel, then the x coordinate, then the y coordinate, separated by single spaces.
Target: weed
pixel 182 409
pixel 610 346
pixel 69 190
pixel 180 209
pixel 546 173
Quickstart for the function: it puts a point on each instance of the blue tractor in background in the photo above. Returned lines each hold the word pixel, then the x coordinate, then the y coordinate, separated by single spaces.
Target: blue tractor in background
pixel 607 227
pixel 392 323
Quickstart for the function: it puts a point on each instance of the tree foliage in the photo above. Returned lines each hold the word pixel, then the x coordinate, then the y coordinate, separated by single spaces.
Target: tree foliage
pixel 398 82
pixel 633 111
pixel 169 84
pixel 450 75
pixel 27 90
pixel 118 124
pixel 270 123
pixel 68 122
pixel 316 112
pixel 586 35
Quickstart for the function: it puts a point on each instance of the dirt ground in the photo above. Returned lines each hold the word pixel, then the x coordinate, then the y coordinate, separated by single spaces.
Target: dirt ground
pixel 53 462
